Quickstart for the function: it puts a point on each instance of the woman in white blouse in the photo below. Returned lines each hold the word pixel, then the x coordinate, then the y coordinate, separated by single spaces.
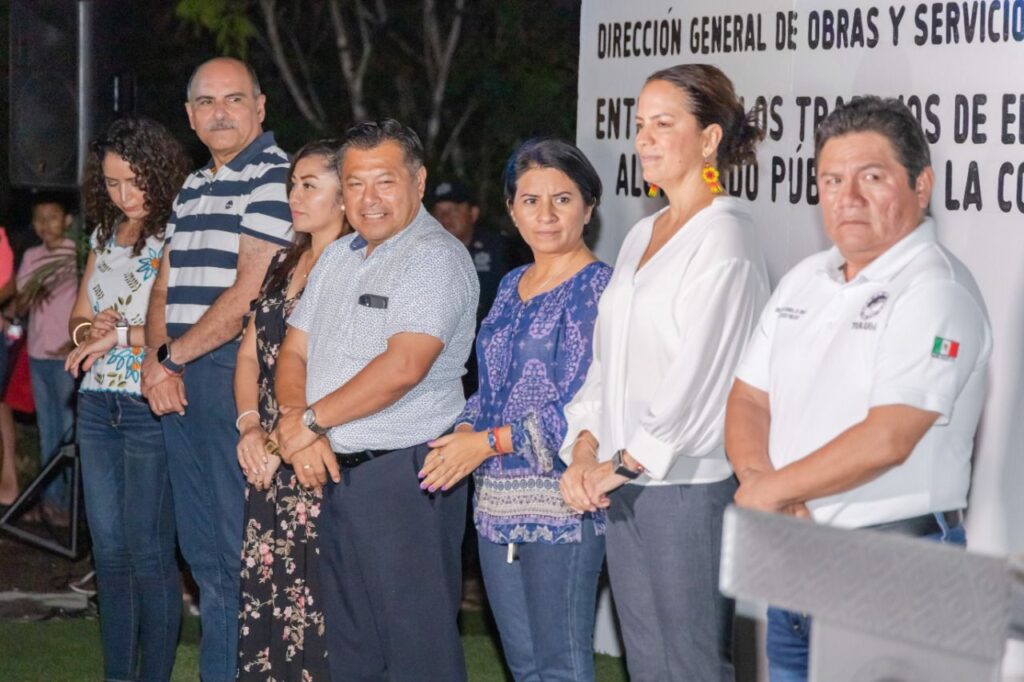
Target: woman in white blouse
pixel 688 285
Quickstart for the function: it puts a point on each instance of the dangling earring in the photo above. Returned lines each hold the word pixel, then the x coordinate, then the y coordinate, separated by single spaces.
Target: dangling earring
pixel 710 175
pixel 652 190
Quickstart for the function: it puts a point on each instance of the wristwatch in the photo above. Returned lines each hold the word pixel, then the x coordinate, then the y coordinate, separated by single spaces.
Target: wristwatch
pixel 122 331
pixel 620 467
pixel 163 356
pixel 309 421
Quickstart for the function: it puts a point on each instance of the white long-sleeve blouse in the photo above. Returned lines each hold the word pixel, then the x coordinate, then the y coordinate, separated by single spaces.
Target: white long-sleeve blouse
pixel 666 344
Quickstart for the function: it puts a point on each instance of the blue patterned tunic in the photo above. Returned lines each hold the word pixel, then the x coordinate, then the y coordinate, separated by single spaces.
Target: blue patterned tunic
pixel 533 357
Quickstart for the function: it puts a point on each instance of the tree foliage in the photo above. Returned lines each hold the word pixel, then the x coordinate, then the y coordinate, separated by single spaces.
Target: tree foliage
pixel 473 77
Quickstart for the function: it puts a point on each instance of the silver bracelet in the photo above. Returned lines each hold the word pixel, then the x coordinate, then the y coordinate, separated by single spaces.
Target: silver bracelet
pixel 244 415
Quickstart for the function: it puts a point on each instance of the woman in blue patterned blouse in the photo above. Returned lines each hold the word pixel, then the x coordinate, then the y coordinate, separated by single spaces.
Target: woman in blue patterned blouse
pixel 540 559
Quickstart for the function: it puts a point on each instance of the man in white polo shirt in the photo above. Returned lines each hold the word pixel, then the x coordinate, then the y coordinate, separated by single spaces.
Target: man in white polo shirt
pixel 858 397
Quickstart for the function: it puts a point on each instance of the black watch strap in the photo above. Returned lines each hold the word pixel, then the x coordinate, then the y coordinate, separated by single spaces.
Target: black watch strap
pixel 163 356
pixel 620 466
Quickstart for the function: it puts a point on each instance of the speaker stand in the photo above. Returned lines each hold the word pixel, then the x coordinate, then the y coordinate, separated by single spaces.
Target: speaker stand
pixel 66 455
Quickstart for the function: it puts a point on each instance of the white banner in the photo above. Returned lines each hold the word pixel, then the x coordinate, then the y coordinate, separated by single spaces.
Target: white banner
pixel 958 66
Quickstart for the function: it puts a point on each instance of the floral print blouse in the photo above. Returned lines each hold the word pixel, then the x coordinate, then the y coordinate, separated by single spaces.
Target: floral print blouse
pixel 121 280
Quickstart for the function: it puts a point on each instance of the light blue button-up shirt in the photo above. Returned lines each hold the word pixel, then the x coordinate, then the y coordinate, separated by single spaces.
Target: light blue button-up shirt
pixel 431 287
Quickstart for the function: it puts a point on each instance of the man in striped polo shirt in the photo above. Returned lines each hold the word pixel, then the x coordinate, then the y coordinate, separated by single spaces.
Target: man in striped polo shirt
pixel 229 219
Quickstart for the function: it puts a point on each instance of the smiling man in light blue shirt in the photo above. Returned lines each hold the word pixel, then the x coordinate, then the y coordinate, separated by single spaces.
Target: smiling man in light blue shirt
pixel 373 359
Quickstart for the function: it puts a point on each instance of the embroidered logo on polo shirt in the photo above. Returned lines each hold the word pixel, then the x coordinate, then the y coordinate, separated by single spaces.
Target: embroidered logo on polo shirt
pixel 874 305
pixel 229 204
pixel 789 313
pixel 870 309
pixel 946 349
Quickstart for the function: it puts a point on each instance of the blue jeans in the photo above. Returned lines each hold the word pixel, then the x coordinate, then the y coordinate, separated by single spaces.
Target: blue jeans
pixel 789 633
pixel 131 520
pixel 53 390
pixel 209 503
pixel 544 604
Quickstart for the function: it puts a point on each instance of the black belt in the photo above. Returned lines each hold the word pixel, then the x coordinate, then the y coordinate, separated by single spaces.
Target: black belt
pixel 350 460
pixel 920 526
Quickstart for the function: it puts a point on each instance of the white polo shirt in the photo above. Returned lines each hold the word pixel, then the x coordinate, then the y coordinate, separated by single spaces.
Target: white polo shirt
pixel 911 329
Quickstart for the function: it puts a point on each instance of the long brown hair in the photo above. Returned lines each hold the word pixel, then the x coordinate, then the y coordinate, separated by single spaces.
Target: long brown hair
pixel 160 166
pixel 329 151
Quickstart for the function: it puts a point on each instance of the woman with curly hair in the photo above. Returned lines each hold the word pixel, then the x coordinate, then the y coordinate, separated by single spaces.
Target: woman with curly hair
pixel 132 175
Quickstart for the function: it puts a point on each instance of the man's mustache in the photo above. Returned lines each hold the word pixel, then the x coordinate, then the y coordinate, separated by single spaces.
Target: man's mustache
pixel 221 125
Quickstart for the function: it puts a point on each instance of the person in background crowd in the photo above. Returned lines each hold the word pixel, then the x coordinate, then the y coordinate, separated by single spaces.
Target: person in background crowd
pixel 456 208
pixel 458 212
pixel 281 620
pixel 540 558
pixel 132 174
pixel 859 394
pixel 9 489
pixel 688 284
pixel 373 359
pixel 47 281
pixel 228 221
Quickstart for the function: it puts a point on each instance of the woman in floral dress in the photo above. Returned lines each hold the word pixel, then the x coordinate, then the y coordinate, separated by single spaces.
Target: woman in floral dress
pixel 281 626
pixel 132 175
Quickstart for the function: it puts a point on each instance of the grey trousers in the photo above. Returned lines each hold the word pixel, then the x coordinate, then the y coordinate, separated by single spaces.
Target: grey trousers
pixel 663 545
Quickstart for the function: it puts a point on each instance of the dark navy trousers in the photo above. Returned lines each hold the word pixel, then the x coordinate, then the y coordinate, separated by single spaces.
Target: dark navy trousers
pixel 391 571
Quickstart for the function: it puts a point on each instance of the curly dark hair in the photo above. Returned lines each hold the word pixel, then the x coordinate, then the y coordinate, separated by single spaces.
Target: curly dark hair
pixel 160 166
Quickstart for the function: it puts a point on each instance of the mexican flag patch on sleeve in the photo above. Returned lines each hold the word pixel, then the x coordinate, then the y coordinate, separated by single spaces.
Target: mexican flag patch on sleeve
pixel 945 348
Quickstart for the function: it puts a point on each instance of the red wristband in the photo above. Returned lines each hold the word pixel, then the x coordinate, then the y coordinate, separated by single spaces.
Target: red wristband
pixel 497 440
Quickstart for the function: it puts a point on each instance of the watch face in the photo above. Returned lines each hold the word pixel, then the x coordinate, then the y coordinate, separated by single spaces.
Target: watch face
pixel 162 353
pixel 308 418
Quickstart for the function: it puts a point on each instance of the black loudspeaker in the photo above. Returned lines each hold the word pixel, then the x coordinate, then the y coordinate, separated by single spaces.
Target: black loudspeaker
pixel 69 77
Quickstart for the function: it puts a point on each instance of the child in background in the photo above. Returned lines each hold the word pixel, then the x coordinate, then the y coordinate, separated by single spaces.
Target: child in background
pixel 47 284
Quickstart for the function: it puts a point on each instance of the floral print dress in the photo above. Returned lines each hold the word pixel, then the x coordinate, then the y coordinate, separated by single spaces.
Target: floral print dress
pixel 281 626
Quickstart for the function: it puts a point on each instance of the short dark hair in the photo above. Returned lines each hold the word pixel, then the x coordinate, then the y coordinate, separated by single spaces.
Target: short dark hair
pixel 62 199
pixel 549 152
pixel 372 134
pixel 711 98
pixel 888 117
pixel 248 67
pixel 159 163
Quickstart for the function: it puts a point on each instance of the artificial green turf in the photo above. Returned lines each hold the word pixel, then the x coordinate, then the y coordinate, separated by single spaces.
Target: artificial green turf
pixel 69 651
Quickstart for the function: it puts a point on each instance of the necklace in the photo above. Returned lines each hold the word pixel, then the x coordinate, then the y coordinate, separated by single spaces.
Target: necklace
pixel 539 289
